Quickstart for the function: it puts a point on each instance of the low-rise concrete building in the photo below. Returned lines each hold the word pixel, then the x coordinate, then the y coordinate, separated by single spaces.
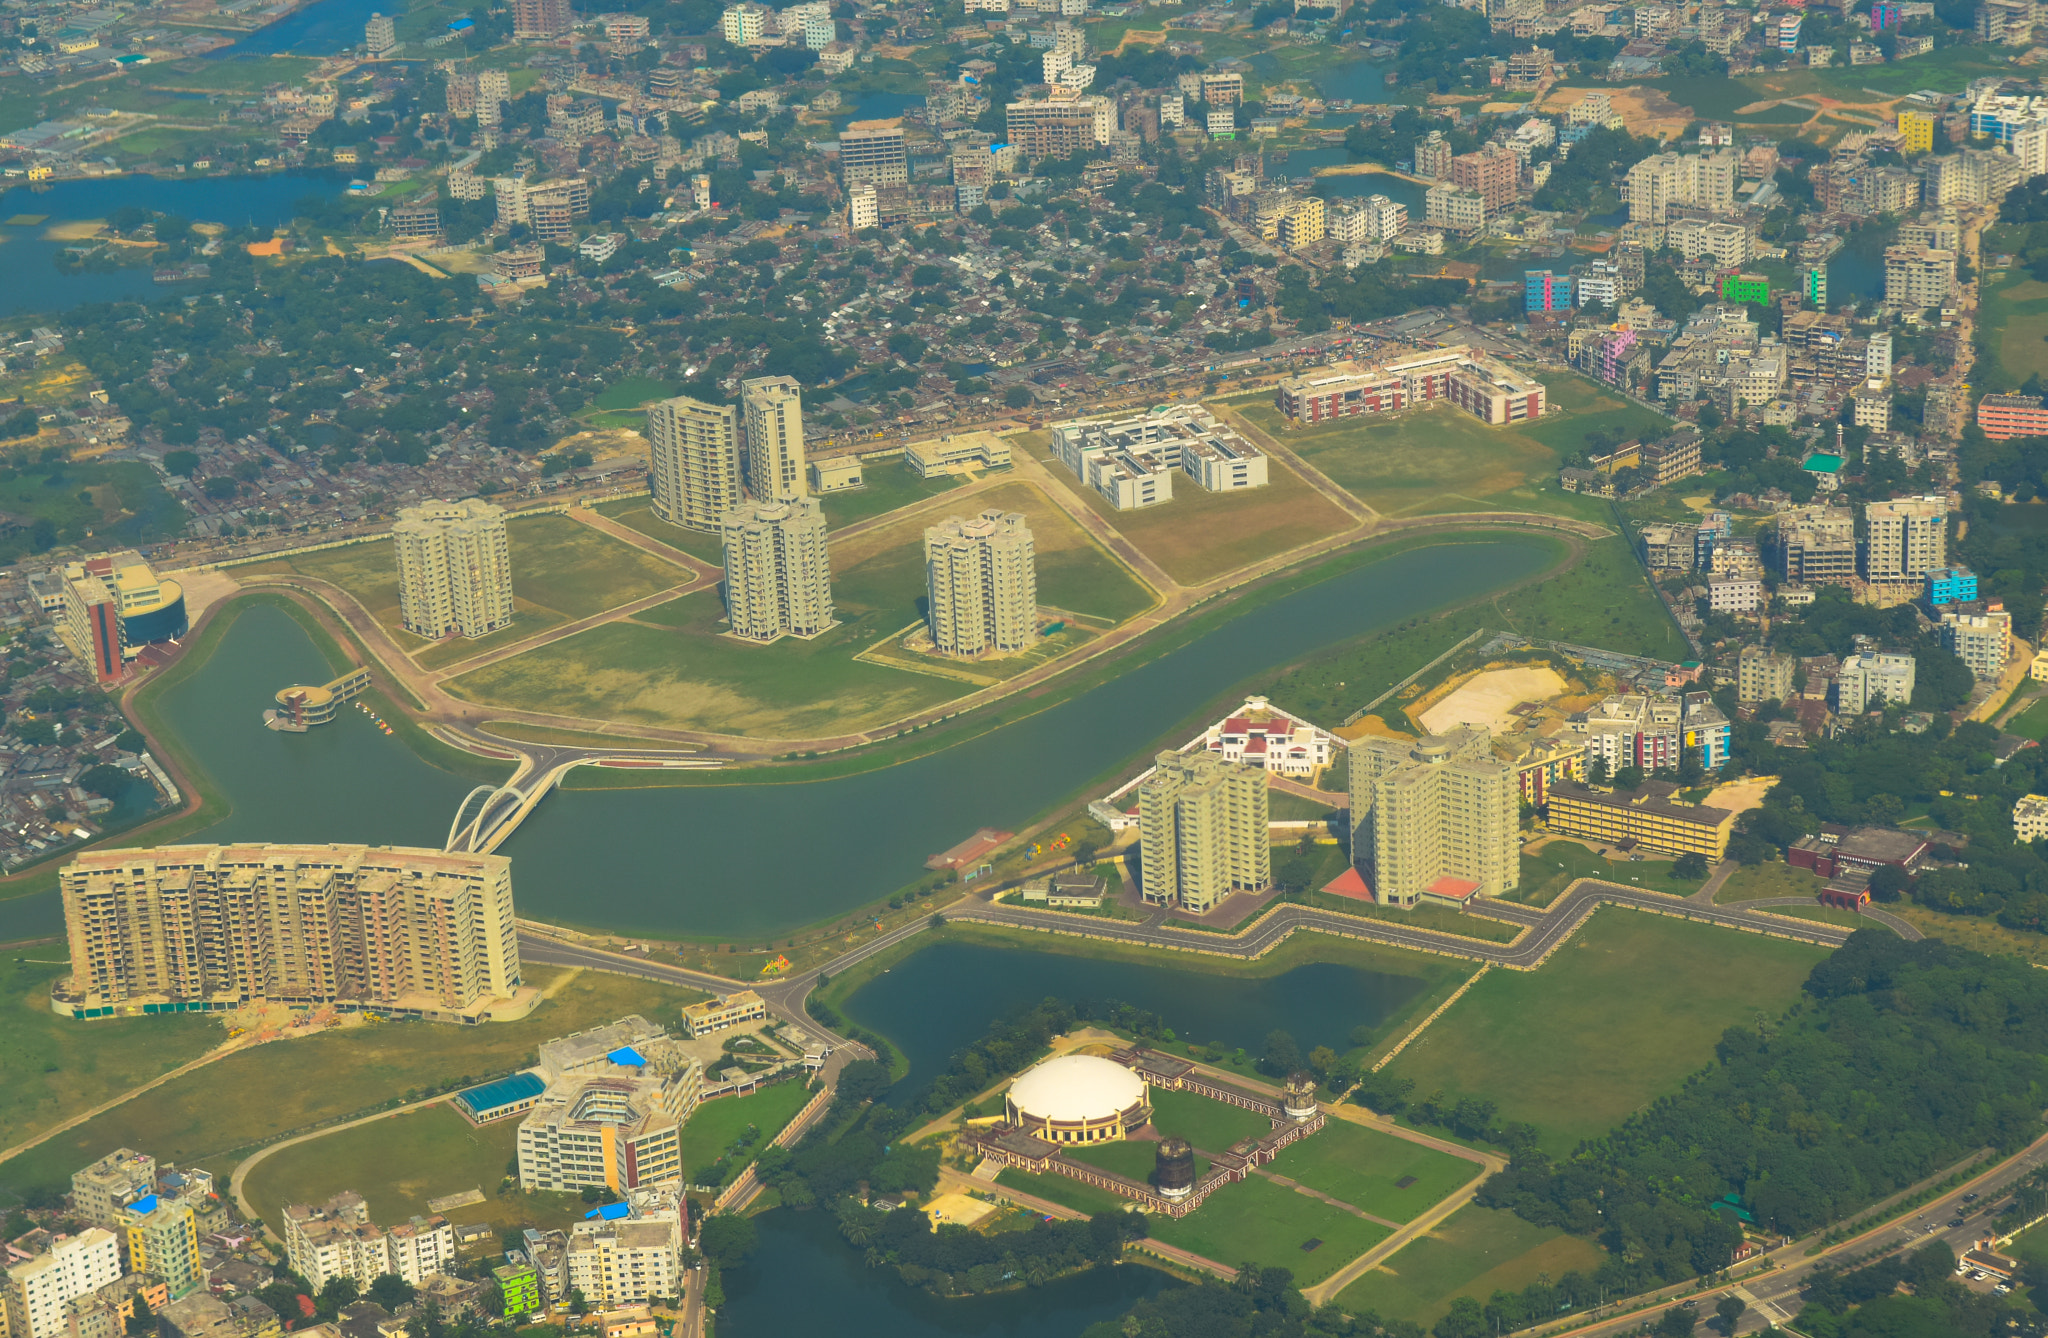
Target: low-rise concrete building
pixel 1648 816
pixel 337 1240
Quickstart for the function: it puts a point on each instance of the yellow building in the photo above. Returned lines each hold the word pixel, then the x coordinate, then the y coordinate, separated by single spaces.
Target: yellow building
pixel 1304 224
pixel 1916 131
pixel 717 1014
pixel 1646 816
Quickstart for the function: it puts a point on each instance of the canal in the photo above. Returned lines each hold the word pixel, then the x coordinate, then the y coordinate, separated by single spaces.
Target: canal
pixel 748 861
pixel 944 997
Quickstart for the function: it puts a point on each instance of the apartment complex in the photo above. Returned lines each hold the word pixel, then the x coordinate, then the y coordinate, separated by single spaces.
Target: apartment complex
pixel 1763 676
pixel 160 1235
pixel 774 410
pixel 1648 816
pixel 1982 640
pixel 1203 829
pixel 874 152
pixel 1130 462
pixel 981 579
pixel 188 928
pixel 113 1182
pixel 1907 538
pixel 540 20
pixel 338 1240
pixel 611 1116
pixel 1816 545
pixel 454 569
pixel 1662 180
pixel 36 1294
pixel 693 471
pixel 630 1253
pixel 1918 277
pixel 778 576
pixel 1867 678
pixel 1482 387
pixel 1436 819
pixel 1654 731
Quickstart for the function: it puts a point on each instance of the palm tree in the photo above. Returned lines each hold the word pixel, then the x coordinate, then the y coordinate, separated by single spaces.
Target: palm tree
pixel 875 1258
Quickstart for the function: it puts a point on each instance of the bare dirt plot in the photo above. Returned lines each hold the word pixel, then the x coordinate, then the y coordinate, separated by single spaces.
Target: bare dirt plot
pixel 1648 111
pixel 1486 700
pixel 1742 795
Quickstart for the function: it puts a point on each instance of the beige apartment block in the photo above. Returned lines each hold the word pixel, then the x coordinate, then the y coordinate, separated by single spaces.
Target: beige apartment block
pixel 404 930
pixel 36 1293
pixel 982 579
pixel 774 410
pixel 1907 536
pixel 778 576
pixel 1763 676
pixel 1436 818
pixel 110 1184
pixel 1204 831
pixel 338 1240
pixel 693 471
pixel 454 569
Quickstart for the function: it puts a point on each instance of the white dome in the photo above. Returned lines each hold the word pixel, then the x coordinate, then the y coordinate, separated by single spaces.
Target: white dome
pixel 1077 1088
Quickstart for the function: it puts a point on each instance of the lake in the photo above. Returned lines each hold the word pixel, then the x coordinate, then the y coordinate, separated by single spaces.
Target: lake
pixel 942 998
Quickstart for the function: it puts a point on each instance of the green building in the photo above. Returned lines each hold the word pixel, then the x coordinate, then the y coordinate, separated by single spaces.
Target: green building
pixel 521 1287
pixel 163 1238
pixel 1814 285
pixel 1746 288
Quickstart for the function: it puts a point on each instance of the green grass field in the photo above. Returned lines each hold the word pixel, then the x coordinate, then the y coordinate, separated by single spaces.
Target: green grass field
pixel 561 571
pixel 1067 1193
pixel 1209 1125
pixel 672 668
pixel 2015 315
pixel 1619 1015
pixel 1363 1167
pixel 888 484
pixel 1475 1252
pixel 1548 872
pixel 397 1164
pixel 1775 879
pixel 631 392
pixel 1132 1159
pixel 1442 459
pixel 216 1114
pixel 635 513
pixel 1266 1224
pixel 51 1068
pixel 716 1125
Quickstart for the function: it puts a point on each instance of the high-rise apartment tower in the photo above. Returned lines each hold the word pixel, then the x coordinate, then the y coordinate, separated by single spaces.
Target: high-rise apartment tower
pixel 982 579
pixel 778 578
pixel 454 569
pixel 1203 830
pixel 1907 538
pixel 540 20
pixel 774 410
pixel 693 462
pixel 1438 817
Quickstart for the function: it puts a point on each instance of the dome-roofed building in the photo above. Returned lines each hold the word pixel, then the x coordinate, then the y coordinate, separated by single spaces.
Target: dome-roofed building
pixel 1078 1099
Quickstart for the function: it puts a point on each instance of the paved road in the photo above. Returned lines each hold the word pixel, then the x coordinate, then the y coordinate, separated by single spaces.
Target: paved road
pixel 1545 928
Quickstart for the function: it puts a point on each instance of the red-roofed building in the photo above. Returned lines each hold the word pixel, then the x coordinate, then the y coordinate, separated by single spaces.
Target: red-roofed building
pixel 1452 891
pixel 1263 737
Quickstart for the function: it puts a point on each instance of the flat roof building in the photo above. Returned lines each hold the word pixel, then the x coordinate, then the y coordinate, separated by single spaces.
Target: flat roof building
pixel 454 569
pixel 693 462
pixel 1646 816
pixel 1437 818
pixel 1204 831
pixel 1130 461
pixel 337 1240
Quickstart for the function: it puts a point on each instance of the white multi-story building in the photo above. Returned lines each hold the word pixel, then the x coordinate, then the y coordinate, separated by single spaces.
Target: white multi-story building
pixel 1259 735
pixel 2030 817
pixel 1735 594
pixel 778 576
pixel 1907 537
pixel 693 455
pixel 1130 461
pixel 454 569
pixel 981 579
pixel 1869 678
pixel 338 1240
pixel 1877 357
pixel 624 1262
pixel 1981 640
pixel 1918 277
pixel 38 1292
pixel 1694 238
pixel 774 410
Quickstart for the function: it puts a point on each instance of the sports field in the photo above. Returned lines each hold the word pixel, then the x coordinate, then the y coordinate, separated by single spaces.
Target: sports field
pixel 716 1125
pixel 1618 1016
pixel 52 1068
pixel 2016 316
pixel 215 1114
pixel 1475 1252
pixel 561 571
pixel 1365 1167
pixel 1199 535
pixel 1258 1221
pixel 1442 459
pixel 397 1164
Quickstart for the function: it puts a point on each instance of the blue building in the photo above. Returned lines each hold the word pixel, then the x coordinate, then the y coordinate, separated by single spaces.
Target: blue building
pixel 1545 291
pixel 1951 585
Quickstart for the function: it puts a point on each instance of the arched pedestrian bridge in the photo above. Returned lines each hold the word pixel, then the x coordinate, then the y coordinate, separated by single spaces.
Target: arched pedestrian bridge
pixel 489 814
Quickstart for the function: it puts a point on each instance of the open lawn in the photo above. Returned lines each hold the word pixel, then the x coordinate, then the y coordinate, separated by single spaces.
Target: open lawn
pixel 1475 1252
pixel 673 669
pixel 1552 1048
pixel 215 1114
pixel 1443 919
pixel 1270 1225
pixel 2031 723
pixel 2015 317
pixel 51 1067
pixel 1978 933
pixel 717 1125
pixel 1199 535
pixel 1209 1125
pixel 1364 1168
pixel 637 513
pixel 1132 1159
pixel 1776 879
pixel 631 392
pixel 887 484
pixel 397 1164
pixel 1059 1189
pixel 1552 869
pixel 561 571
pixel 1442 459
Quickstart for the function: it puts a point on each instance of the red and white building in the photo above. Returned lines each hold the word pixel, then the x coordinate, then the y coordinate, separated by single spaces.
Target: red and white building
pixel 1261 736
pixel 2006 416
pixel 1477 384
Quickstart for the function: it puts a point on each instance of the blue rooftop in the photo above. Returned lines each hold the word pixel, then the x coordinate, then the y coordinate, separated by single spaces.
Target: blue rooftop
pixel 627 1056
pixel 504 1092
pixel 610 1212
pixel 144 1205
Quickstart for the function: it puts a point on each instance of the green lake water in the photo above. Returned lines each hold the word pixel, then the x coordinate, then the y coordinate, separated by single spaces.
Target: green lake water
pixel 748 861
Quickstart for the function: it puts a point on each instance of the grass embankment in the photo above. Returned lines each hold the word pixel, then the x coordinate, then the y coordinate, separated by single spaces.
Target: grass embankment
pixel 1752 882
pixel 216 1114
pixel 1560 863
pixel 1260 1222
pixel 1618 1016
pixel 1476 1252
